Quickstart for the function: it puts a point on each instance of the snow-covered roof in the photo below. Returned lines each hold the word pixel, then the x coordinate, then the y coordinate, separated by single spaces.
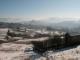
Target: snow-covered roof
pixel 74 34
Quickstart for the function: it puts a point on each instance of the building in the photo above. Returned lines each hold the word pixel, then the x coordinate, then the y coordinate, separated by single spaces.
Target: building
pixel 49 44
pixel 72 38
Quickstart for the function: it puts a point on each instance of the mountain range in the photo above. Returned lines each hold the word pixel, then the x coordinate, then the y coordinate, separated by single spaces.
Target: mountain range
pixel 60 25
pixel 54 22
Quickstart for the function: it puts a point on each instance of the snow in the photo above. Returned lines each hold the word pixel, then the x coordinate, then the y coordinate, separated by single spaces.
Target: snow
pixel 25 41
pixel 9 50
pixel 63 54
pixel 3 32
pixel 13 51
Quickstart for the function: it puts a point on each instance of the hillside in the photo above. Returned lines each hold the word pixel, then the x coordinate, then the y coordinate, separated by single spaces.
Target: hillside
pixel 12 51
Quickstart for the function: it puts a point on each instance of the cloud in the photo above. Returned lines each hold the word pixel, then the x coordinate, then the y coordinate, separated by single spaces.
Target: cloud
pixel 47 20
pixel 13 19
pixel 57 19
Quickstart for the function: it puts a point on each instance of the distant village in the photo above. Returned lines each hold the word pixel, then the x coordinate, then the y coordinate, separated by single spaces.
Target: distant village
pixel 26 33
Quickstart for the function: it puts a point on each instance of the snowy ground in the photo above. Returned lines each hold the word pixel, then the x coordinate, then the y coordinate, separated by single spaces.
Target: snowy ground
pixel 3 32
pixel 70 53
pixel 27 41
pixel 12 51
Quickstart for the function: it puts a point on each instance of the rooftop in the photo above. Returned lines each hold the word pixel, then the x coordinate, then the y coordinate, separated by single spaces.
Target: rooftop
pixel 74 34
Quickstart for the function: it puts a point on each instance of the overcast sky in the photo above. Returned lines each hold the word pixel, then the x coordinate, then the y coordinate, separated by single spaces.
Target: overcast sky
pixel 39 9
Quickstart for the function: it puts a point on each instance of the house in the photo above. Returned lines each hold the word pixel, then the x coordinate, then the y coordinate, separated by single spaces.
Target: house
pixel 49 44
pixel 42 45
pixel 72 38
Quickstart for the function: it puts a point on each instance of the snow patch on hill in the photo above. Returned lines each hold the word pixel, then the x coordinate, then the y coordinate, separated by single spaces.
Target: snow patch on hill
pixel 12 51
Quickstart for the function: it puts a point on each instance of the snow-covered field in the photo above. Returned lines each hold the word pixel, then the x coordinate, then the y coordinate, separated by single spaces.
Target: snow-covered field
pixel 12 51
pixel 3 32
pixel 69 53
pixel 27 41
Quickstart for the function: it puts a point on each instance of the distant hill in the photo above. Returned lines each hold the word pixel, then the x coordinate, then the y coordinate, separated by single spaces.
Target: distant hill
pixel 66 22
pixel 37 22
pixel 60 25
pixel 33 22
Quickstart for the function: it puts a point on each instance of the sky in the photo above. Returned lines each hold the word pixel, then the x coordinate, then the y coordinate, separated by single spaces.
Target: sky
pixel 39 9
